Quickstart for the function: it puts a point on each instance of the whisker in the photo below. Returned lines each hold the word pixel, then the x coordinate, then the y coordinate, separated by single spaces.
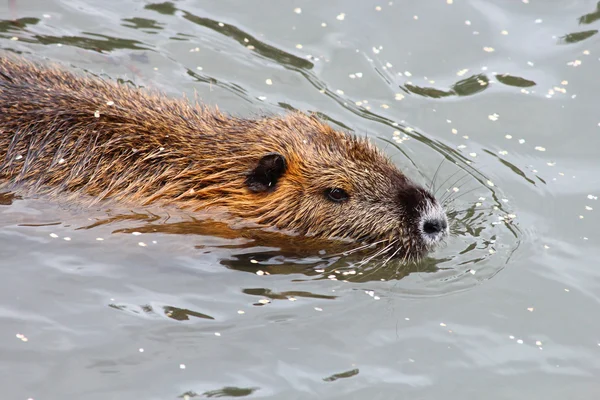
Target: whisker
pixel 447 179
pixel 378 253
pixel 462 184
pixel 402 264
pixel 392 256
pixel 372 271
pixel 354 250
pixel 464 194
pixel 375 254
pixel 456 212
pixel 450 187
pixel 448 196
pixel 385 262
pixel 432 186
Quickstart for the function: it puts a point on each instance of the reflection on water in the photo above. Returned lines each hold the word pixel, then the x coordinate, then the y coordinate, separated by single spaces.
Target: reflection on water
pixel 257 251
pixel 228 391
pixel 578 36
pixel 7 198
pixel 269 52
pixel 144 24
pixel 16 25
pixel 91 41
pixel 591 17
pixel 178 314
pixel 347 374
pixel 467 87
pixel 474 239
pixel 245 39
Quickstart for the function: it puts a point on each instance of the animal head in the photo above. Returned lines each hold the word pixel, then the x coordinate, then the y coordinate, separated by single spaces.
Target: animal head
pixel 320 182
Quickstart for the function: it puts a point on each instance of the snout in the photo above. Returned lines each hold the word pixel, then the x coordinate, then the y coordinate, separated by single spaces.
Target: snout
pixel 433 225
pixel 424 217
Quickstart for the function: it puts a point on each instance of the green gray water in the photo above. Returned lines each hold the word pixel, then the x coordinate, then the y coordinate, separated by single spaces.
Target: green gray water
pixel 506 92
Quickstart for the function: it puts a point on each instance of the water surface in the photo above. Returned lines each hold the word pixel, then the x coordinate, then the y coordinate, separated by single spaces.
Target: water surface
pixel 114 303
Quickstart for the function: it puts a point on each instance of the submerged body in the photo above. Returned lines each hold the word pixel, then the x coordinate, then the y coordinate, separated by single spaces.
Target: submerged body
pixel 79 134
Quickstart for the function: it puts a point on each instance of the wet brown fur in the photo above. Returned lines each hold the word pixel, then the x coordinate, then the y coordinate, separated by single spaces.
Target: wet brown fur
pixel 67 133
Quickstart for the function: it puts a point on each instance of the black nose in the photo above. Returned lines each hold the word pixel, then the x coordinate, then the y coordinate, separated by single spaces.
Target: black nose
pixel 434 226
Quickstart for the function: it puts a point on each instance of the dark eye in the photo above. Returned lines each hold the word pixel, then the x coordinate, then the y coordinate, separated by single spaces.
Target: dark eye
pixel 336 195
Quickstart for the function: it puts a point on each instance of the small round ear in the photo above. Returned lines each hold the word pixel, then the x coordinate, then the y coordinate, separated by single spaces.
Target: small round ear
pixel 267 172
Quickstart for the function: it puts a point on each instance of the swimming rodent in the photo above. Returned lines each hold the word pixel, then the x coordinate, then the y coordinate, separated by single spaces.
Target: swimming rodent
pixel 62 132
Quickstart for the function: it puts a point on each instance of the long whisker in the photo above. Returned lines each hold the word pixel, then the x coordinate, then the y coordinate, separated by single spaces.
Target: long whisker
pixel 354 250
pixel 401 264
pixel 454 185
pixel 378 253
pixel 449 196
pixel 462 184
pixel 432 186
pixel 392 256
pixel 373 271
pixel 464 194
pixel 447 179
pixel 384 263
pixel 457 212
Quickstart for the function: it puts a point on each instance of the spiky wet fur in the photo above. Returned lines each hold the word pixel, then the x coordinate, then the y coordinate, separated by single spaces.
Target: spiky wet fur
pixel 80 134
